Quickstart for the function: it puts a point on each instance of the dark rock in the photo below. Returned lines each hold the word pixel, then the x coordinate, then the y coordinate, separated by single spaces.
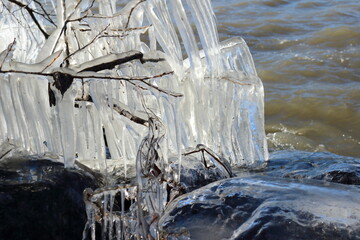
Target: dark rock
pixel 317 165
pixel 262 207
pixel 41 199
pixel 194 174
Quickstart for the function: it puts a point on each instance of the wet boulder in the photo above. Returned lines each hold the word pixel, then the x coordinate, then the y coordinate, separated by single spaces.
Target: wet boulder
pixel 40 199
pixel 195 173
pixel 261 207
pixel 314 165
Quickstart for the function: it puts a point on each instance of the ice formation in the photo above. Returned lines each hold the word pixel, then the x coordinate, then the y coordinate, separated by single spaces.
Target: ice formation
pixel 141 78
pixel 222 103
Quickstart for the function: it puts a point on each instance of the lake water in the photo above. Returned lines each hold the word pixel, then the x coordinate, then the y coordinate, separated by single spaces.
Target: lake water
pixel 308 55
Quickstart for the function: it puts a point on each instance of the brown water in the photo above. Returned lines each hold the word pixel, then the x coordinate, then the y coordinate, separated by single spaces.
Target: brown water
pixel 307 53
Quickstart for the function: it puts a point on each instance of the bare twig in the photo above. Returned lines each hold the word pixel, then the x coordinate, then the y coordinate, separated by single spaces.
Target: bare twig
pixel 173 94
pixel 3 155
pixel 236 82
pixel 145 28
pixel 132 79
pixel 114 36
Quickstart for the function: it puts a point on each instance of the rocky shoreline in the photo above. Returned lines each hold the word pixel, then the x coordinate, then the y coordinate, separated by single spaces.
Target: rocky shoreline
pixel 299 195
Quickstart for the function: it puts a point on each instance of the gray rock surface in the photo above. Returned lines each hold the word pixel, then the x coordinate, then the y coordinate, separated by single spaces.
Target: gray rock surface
pixel 261 207
pixel 314 165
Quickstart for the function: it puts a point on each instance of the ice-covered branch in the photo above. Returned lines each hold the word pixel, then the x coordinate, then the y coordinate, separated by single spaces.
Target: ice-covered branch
pixel 31 13
pixel 120 109
pixel 219 162
pixel 131 11
pixel 100 76
pixel 5 54
pixel 108 62
pixel 130 116
pixel 86 45
pixel 45 14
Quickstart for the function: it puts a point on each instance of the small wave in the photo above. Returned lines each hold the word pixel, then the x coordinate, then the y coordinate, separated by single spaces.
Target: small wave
pixel 336 37
pixel 310 5
pixel 274 3
pixel 289 141
pixel 271 29
pixel 319 121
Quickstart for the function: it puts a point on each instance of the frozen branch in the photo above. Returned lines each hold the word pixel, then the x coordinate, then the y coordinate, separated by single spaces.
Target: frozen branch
pixel 54 59
pixel 31 13
pixel 86 45
pixel 108 61
pixel 45 14
pixel 131 11
pixel 130 116
pixel 100 76
pixel 118 108
pixel 218 161
pixel 4 54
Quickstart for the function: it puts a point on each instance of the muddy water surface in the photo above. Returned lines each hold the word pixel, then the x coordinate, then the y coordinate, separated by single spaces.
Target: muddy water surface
pixel 308 55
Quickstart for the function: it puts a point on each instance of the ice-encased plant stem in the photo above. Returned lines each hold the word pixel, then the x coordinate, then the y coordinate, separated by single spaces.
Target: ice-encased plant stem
pixel 80 77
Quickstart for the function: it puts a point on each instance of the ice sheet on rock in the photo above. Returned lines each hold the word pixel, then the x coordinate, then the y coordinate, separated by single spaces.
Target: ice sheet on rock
pixel 257 207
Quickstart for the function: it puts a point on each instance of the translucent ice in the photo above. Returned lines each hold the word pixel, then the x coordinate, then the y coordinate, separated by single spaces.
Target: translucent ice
pixel 123 65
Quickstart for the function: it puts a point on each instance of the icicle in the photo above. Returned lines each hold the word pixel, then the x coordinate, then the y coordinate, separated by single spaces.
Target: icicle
pixel 111 216
pixel 188 38
pixel 9 109
pixel 105 217
pixel 65 112
pixel 122 214
pixel 159 16
pixel 118 229
pixel 205 23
